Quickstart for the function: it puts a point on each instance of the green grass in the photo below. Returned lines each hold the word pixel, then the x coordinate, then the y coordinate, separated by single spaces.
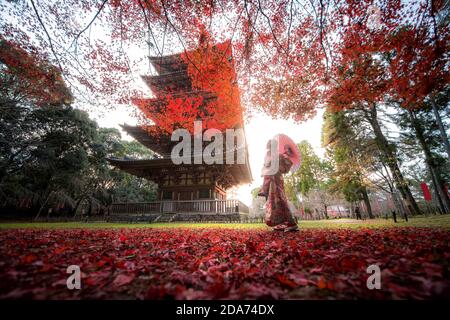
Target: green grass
pixel 438 221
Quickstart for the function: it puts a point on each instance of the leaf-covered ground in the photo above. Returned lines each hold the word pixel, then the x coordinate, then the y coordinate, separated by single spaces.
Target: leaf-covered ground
pixel 213 263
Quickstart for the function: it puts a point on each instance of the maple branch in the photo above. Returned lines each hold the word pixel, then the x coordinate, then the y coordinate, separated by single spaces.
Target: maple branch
pixel 224 13
pixel 75 40
pixel 387 177
pixel 178 35
pixel 289 28
pixel 164 39
pixel 271 29
pixel 48 35
pixel 127 60
pixel 53 50
pixel 232 35
pixel 321 28
pixel 212 14
pixel 304 8
pixel 253 25
pixel 148 26
pixel 378 185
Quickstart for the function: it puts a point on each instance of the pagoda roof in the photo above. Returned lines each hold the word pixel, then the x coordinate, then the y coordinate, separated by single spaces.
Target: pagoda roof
pixel 154 169
pixel 160 142
pixel 167 59
pixel 173 76
pixel 174 62
pixel 156 140
pixel 175 81
pixel 166 64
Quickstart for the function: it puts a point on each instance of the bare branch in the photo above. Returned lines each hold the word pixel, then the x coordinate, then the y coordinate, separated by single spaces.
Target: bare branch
pixel 271 29
pixel 75 40
pixel 178 35
pixel 149 26
pixel 48 35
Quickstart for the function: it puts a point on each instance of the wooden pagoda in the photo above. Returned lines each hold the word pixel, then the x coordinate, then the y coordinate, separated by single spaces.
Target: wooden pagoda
pixel 185 191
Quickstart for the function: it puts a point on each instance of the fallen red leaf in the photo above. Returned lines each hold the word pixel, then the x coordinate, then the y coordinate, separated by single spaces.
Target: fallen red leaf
pixel 122 280
pixel 321 283
pixel 286 281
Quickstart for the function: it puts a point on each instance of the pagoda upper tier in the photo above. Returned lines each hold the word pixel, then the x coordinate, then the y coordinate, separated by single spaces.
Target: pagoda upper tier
pixel 173 78
pixel 194 85
pixel 169 63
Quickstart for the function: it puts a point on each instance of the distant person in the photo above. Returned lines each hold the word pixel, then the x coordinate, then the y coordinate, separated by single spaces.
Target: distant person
pixel 394 216
pixel 358 213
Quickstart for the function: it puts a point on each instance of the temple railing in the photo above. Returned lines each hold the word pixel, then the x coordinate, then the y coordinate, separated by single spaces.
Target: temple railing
pixel 181 206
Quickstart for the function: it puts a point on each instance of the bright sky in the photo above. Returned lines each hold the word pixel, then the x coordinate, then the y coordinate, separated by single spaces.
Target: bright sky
pixel 258 129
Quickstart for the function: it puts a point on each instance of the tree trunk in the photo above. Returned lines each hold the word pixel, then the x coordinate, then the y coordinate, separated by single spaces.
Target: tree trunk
pixel 437 189
pixel 443 200
pixel 325 212
pixel 42 206
pixel 391 160
pixel 339 211
pixel 89 213
pixel 396 200
pixel 367 202
pixel 441 129
pixel 74 210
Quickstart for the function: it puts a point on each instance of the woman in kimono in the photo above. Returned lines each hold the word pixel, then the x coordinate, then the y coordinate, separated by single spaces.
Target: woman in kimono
pixel 278 215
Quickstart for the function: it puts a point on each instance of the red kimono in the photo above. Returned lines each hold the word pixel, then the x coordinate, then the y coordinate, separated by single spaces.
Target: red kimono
pixel 277 209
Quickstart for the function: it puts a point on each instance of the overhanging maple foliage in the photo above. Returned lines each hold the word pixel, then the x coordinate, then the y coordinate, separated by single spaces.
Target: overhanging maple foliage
pixel 37 79
pixel 287 53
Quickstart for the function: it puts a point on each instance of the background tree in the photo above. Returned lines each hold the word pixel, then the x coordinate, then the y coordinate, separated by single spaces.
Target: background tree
pixel 307 176
pixel 420 135
pixel 351 153
pixel 54 156
pixel 311 180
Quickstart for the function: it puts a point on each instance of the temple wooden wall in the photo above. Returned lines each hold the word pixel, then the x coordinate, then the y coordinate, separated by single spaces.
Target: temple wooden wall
pixel 186 186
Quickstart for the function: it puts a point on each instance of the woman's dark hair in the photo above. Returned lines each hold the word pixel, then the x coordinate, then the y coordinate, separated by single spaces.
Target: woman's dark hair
pixel 288 150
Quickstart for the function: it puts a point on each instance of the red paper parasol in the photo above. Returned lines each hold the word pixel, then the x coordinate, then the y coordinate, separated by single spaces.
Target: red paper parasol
pixel 287 146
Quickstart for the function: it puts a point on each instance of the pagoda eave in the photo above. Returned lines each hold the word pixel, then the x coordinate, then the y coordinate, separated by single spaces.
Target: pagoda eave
pixel 161 100
pixel 153 138
pixel 164 64
pixel 155 169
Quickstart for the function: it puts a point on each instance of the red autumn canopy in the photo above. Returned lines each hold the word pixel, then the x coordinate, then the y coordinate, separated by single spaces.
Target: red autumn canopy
pixel 39 80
